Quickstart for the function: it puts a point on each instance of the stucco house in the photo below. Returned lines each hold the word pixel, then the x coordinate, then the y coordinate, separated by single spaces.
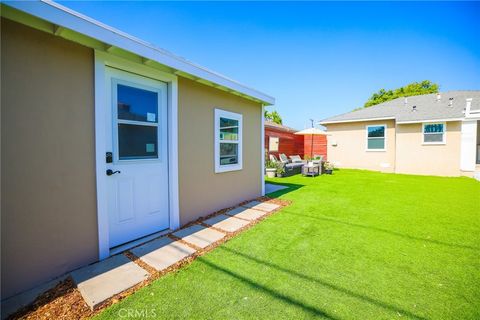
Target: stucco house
pixel 432 134
pixel 107 139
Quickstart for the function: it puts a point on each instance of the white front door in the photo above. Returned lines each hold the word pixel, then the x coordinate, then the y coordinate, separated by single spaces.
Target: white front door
pixel 136 158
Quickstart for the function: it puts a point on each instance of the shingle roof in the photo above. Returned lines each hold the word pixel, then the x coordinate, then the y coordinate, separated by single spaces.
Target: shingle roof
pixel 279 126
pixel 427 108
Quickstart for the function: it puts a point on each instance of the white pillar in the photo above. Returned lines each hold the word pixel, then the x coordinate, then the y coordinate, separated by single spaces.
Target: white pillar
pixel 468 148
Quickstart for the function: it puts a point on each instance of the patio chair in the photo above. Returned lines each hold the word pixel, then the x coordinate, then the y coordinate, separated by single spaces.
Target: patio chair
pixel 273 158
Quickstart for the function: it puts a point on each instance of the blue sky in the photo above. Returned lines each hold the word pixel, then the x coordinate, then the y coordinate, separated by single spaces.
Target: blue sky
pixel 317 59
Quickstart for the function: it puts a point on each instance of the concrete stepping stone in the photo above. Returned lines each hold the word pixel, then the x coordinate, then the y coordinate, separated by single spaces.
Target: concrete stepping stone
pixel 247 214
pixel 104 279
pixel 199 236
pixel 162 253
pixel 264 206
pixel 226 223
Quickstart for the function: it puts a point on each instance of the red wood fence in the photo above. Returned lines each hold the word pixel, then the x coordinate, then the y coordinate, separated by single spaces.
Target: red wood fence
pixel 292 144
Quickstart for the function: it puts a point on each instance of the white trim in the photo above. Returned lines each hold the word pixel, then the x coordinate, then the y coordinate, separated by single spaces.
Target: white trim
pixel 100 165
pixel 219 113
pixel 70 19
pixel 136 242
pixel 391 118
pixel 356 120
pixel 174 201
pixel 384 138
pixel 430 120
pixel 102 61
pixel 262 166
pixel 444 137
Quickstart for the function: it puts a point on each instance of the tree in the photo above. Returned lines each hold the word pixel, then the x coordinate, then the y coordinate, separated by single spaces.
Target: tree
pixel 412 89
pixel 273 116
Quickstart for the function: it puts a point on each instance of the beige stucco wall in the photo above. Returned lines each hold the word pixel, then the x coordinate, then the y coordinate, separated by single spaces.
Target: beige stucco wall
pixel 414 157
pixel 49 216
pixel 351 149
pixel 49 223
pixel 202 191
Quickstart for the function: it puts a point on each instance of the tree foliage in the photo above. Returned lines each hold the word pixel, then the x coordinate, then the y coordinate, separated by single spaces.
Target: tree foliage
pixel 412 89
pixel 273 116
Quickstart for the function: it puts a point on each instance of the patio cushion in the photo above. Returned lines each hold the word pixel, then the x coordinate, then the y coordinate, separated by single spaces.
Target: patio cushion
pixel 296 159
pixel 283 158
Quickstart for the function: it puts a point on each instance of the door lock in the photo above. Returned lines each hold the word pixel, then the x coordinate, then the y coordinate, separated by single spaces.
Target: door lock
pixel 111 172
pixel 108 157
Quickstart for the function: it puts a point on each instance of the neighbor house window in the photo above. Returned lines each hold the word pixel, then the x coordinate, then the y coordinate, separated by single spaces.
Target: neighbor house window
pixel 273 144
pixel 376 138
pixel 434 133
pixel 228 141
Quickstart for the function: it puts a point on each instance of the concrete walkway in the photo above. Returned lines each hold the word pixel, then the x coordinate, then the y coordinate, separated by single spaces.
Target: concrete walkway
pixel 102 280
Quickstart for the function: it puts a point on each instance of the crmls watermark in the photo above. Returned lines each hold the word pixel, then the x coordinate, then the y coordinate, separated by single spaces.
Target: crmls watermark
pixel 137 313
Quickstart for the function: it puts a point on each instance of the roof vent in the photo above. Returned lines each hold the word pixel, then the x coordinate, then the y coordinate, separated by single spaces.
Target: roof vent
pixel 439 96
pixel 414 108
pixel 450 102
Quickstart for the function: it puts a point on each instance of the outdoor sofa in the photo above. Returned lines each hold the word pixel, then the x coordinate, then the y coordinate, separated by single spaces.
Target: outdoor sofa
pixel 291 168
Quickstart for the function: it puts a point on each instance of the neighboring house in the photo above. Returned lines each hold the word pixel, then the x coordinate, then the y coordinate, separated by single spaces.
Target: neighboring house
pixel 432 134
pixel 107 139
pixel 282 139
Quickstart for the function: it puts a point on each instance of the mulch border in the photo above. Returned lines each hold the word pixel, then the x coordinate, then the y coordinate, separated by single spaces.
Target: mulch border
pixel 64 301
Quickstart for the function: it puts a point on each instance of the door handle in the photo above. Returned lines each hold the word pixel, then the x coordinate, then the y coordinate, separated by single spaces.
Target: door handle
pixel 111 172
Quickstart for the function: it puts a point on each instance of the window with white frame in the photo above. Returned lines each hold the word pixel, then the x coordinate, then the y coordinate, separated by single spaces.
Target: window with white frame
pixel 434 133
pixel 228 141
pixel 376 138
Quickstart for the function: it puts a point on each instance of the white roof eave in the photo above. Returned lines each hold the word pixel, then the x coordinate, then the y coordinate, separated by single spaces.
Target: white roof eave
pixel 67 18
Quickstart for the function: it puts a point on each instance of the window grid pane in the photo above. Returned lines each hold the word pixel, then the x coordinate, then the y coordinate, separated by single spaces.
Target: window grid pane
pixel 433 137
pixel 376 132
pixel 136 104
pixel 433 128
pixel 228 153
pixel 376 143
pixel 137 142
pixel 229 134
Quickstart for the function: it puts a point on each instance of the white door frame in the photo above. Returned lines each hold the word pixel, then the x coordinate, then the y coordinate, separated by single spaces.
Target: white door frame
pixel 103 60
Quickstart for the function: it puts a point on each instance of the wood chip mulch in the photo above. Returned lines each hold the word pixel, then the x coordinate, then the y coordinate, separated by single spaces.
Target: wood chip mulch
pixel 64 301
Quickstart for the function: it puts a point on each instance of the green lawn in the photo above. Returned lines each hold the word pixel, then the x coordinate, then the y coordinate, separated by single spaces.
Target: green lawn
pixel 354 245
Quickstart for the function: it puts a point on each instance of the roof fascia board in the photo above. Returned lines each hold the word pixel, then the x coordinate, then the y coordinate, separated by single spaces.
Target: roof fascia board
pixel 356 120
pixel 279 129
pixel 64 17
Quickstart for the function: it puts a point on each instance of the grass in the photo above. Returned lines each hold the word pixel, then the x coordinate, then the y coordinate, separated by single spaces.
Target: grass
pixel 354 245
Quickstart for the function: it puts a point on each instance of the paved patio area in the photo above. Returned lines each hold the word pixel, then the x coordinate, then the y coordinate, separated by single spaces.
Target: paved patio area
pixel 100 281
